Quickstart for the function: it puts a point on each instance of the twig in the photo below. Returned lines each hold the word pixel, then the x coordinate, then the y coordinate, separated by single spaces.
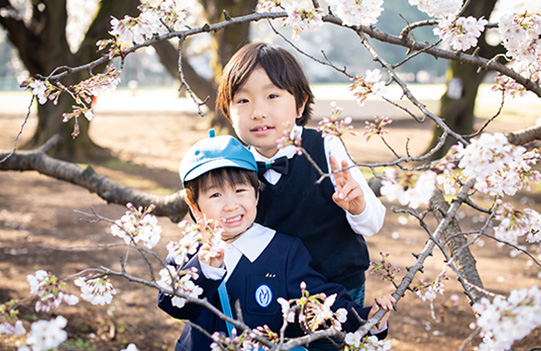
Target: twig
pixel 20 131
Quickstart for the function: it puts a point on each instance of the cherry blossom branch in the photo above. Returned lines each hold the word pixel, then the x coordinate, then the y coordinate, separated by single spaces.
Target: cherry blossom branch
pixel 172 206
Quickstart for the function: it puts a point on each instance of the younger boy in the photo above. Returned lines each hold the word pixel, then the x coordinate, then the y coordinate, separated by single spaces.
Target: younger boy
pixel 259 265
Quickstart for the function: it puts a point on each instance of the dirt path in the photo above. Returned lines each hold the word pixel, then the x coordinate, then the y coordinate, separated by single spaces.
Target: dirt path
pixel 37 212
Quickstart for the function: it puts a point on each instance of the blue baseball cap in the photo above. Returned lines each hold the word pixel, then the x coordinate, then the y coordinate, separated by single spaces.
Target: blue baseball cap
pixel 213 153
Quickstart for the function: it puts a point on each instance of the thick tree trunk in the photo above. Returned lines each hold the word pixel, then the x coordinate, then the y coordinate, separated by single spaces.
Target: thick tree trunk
pixel 42 45
pixel 458 102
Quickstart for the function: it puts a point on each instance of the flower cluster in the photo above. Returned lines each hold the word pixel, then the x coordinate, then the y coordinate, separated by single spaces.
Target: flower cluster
pixel 98 290
pixel 269 6
pixel 131 30
pixel 138 225
pixel 96 85
pixel 499 167
pixel 46 335
pixel 49 290
pixel 438 8
pixel 461 33
pixel 42 90
pixel 181 282
pixel 300 19
pixel 516 223
pixel 357 342
pixel 409 188
pixel 520 36
pixel 486 155
pixel 504 321
pixel 359 12
pixel 290 137
pixel 429 291
pixel 508 86
pixel 385 270
pixel 376 127
pixel 243 342
pixel 334 126
pixel 9 324
pixel 362 87
pixel 313 311
pixel 193 234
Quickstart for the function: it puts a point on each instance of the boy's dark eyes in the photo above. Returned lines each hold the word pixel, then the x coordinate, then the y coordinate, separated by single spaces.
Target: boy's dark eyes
pixel 242 101
pixel 214 195
pixel 273 96
pixel 240 190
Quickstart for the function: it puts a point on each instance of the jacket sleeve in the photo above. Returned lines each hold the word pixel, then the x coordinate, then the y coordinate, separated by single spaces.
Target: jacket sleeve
pixel 190 310
pixel 299 269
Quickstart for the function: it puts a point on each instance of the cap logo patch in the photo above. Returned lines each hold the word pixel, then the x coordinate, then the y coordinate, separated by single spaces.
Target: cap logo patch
pixel 263 295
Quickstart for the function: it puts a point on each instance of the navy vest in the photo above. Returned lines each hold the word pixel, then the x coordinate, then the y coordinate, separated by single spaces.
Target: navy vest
pixel 298 206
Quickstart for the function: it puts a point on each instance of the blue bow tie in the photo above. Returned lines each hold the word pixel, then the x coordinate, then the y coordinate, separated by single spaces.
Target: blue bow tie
pixel 280 165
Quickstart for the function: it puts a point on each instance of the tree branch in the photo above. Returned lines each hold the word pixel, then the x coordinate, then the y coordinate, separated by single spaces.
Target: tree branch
pixel 171 206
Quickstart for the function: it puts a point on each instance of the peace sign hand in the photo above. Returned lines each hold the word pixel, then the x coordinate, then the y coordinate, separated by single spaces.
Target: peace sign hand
pixel 348 194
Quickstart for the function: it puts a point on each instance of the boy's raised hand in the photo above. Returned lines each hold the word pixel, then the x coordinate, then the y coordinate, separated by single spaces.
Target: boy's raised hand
pixel 386 302
pixel 208 254
pixel 348 194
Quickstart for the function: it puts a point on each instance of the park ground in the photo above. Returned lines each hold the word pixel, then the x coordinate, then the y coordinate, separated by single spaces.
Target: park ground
pixel 39 215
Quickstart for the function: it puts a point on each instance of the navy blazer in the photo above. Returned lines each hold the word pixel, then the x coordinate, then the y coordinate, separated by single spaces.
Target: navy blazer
pixel 282 266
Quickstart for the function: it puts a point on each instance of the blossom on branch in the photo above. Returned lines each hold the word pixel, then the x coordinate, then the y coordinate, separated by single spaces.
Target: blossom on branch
pixel 46 335
pixel 153 20
pixel 460 33
pixel 290 137
pixel 9 323
pixel 359 12
pixel 300 19
pixel 520 35
pixel 357 342
pixel 313 311
pixel 515 223
pixel 333 126
pixel 138 225
pixel 409 188
pixel 385 270
pixel 194 234
pixel 428 291
pixel 43 90
pixel 269 6
pixel 49 290
pixel 180 281
pixel 97 290
pixel 504 321
pixel 376 127
pixel 438 8
pixel 371 84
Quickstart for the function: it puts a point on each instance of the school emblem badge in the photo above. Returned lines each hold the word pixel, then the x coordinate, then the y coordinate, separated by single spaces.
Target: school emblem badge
pixel 263 295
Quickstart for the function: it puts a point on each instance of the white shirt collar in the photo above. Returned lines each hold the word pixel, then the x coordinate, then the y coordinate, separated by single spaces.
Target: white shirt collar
pixel 252 243
pixel 288 151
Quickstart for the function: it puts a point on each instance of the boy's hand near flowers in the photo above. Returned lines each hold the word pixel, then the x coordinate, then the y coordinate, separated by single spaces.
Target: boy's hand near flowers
pixel 348 194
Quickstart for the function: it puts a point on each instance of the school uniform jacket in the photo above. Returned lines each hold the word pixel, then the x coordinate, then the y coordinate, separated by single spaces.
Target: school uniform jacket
pixel 277 272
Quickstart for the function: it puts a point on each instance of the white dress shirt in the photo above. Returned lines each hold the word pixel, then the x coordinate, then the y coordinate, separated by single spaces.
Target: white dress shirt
pixel 366 223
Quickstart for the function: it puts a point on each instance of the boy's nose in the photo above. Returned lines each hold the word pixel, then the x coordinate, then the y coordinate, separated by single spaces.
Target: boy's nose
pixel 259 112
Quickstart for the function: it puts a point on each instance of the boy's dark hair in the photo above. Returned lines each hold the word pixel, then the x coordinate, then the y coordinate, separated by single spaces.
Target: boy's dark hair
pixel 223 176
pixel 280 65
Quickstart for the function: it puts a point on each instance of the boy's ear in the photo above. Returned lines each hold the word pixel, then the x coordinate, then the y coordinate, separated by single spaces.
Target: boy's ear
pixel 300 110
pixel 196 214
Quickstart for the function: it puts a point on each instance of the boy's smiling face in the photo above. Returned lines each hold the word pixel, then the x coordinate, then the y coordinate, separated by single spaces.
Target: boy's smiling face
pixel 234 205
pixel 259 110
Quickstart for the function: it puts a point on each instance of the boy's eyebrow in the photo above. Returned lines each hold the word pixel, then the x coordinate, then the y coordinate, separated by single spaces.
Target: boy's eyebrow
pixel 265 86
